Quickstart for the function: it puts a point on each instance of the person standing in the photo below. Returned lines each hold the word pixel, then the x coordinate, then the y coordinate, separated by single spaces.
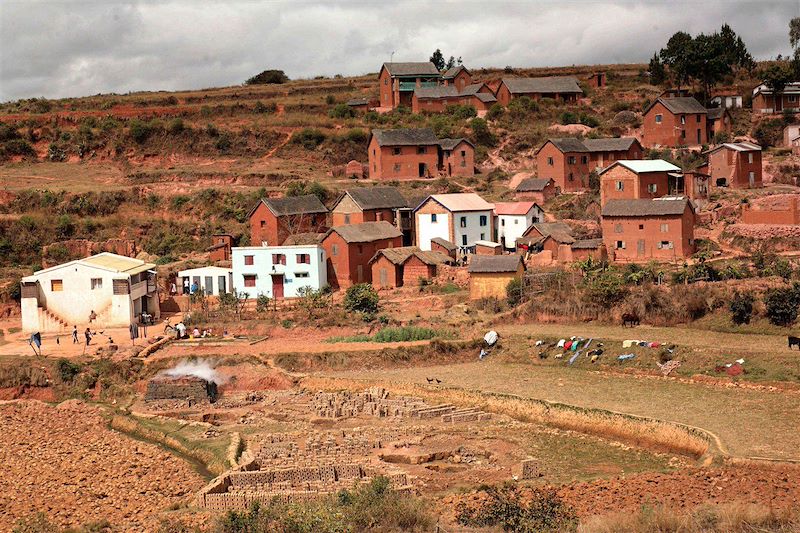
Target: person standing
pixel 185 285
pixel 92 316
pixel 88 335
pixel 75 335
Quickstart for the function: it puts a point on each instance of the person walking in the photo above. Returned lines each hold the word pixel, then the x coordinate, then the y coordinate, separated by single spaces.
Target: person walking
pixel 75 335
pixel 88 335
pixel 173 290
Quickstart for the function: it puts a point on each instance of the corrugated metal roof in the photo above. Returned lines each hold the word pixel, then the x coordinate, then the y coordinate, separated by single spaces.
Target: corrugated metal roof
pixel 645 207
pixel 463 201
pixel 549 85
pixel 609 144
pixel 304 239
pixel 533 184
pixel 493 263
pixel 487 244
pixel 647 165
pixel 405 137
pixel 366 231
pixel 117 263
pixel 559 231
pixel 411 68
pixel 513 208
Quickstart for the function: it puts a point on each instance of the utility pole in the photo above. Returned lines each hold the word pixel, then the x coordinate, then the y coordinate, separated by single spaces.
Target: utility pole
pixel 391 57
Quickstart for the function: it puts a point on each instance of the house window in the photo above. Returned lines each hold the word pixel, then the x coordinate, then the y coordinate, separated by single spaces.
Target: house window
pixel 463 240
pixel 659 118
pixel 463 222
pixel 248 260
pixel 97 283
pixel 620 245
pixel 617 228
pixel 335 249
pixel 278 259
pixel 386 81
pixel 550 161
pixel 249 280
pixel 584 159
pixel 750 157
pixel 263 223
pixel 484 220
pixel 683 119
pixel 422 150
pixel 304 259
pixel 301 274
pixel 516 221
pixel 360 248
pixel 347 219
pixel 620 186
pixel 664 245
pixel 664 228
pixel 463 153
pixel 641 226
pixel 502 222
pixel 652 187
pixel 683 134
pixel 433 218
pixel 571 177
pixel 463 163
pixel 571 160
pixel 395 151
pixel 56 285
pixel 483 236
pixel 397 167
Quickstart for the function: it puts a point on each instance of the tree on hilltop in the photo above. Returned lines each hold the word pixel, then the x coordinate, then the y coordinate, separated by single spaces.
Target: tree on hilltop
pixel 268 76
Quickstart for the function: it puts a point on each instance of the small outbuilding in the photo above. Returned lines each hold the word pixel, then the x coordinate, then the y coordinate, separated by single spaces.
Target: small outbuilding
pixel 404 266
pixel 489 275
pixel 212 279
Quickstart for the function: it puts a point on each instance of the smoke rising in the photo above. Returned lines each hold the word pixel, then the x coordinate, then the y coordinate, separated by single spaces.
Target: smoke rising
pixel 199 369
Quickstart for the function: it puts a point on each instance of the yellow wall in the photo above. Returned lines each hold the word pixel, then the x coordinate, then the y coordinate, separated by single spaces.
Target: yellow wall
pixel 489 285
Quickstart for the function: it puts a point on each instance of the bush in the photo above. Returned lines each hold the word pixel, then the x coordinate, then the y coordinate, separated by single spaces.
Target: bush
pixel 341 111
pixel 269 108
pixel 262 303
pixel 462 111
pixel 268 76
pixel 404 334
pixel 223 143
pixel 67 370
pixel 175 126
pixel 18 147
pixel 495 112
pixel 696 305
pixel 514 292
pixel 357 136
pixel 140 131
pixel 482 133
pixel 781 305
pixel 309 138
pixel 606 288
pixel 741 307
pixel 506 507
pixel 361 297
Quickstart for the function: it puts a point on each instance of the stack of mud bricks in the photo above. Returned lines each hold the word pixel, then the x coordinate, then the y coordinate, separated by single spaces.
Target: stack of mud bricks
pixel 434 411
pixel 469 414
pixel 530 469
pixel 194 390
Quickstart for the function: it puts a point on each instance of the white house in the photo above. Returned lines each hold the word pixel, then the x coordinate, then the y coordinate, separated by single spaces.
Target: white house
pixel 213 280
pixel 513 218
pixel 460 218
pixel 278 271
pixel 117 289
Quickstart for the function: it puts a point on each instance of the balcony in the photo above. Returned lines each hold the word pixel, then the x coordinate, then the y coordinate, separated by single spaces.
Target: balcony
pixel 411 85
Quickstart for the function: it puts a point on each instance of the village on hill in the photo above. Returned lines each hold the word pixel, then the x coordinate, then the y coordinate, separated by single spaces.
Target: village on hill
pixel 438 297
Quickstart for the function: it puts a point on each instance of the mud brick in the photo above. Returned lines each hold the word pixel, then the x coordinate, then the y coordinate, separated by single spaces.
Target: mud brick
pixel 530 469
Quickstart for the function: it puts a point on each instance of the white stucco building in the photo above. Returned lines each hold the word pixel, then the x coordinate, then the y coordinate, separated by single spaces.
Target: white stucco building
pixel 513 218
pixel 116 288
pixel 461 218
pixel 213 280
pixel 278 271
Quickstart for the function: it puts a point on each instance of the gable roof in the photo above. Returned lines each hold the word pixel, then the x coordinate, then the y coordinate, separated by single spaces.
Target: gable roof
pixel 608 144
pixel 566 144
pixel 494 263
pixel 444 243
pixel 548 85
pixel 292 205
pixel 641 166
pixel 440 91
pixel 412 68
pixel 514 208
pixel 716 113
pixel 449 144
pixel 587 244
pixel 110 262
pixel 452 72
pixel 739 147
pixel 667 206
pixel 405 137
pixel 559 231
pixel 533 184
pixel 366 232
pixel 790 88
pixel 461 201
pixel 400 255
pixel 679 105
pixel 304 239
pixel 375 197
pixel 357 101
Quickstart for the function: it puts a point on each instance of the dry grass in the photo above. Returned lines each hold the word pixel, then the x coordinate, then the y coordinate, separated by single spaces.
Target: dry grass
pixel 635 431
pixel 727 518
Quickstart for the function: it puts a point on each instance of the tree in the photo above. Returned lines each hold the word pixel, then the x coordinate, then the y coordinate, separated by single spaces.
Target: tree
pixel 781 305
pixel 450 63
pixel 676 55
pixel 482 133
pixel 794 40
pixel 438 60
pixel 658 74
pixel 741 307
pixel 777 76
pixel 362 298
pixel 268 76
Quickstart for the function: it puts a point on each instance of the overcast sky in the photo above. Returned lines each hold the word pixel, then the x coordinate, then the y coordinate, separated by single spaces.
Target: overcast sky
pixel 70 48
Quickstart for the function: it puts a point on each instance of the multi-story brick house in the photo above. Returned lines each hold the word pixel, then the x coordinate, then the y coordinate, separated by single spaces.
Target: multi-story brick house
pixel 397 81
pixel 736 165
pixel 272 220
pixel 642 229
pixel 220 249
pixel 436 99
pixel 719 121
pixel 646 178
pixel 418 153
pixel 457 76
pixel 678 121
pixel 460 218
pixel 766 100
pixel 349 249
pixel 561 88
pixel 569 161
pixel 374 204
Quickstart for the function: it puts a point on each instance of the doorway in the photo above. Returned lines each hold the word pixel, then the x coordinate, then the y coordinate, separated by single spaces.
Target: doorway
pixel 423 170
pixel 640 248
pixel 277 286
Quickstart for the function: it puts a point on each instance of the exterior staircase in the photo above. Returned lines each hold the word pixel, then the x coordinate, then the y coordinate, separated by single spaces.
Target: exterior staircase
pixel 51 322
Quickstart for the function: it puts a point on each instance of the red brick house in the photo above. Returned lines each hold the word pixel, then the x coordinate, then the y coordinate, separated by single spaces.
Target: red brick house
pixel 397 81
pixel 736 165
pixel 457 76
pixel 597 80
pixel 404 266
pixel 418 153
pixel 367 204
pixel 444 246
pixel 561 88
pixel 719 120
pixel 349 249
pixel 275 219
pixel 696 185
pixel 765 100
pixel 641 230
pixel 678 121
pixel 436 99
pixel 569 161
pixel 552 242
pixel 220 249
pixel 646 178
pixel 538 190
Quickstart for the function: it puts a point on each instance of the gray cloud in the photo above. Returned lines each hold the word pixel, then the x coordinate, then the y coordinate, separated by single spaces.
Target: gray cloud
pixel 71 48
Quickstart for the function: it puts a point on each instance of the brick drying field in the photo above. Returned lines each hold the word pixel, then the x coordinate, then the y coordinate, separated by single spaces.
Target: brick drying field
pixel 64 461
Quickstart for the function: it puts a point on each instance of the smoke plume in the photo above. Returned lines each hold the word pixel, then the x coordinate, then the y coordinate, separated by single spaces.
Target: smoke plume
pixel 199 369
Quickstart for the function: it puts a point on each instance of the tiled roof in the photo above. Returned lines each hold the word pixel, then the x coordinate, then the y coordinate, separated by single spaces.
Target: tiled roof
pixel 405 137
pixel 494 263
pixel 376 197
pixel 463 201
pixel 441 91
pixel 609 144
pixel 559 231
pixel 452 72
pixel 533 184
pixel 513 208
pixel 423 68
pixel 295 205
pixel 549 85
pixel 366 231
pixel 444 243
pixel 587 244
pixel 680 105
pixel 644 207
pixel 400 255
pixel 449 144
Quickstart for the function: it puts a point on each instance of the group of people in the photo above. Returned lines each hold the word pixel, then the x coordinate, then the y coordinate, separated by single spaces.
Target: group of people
pixel 86 334
pixel 187 287
pixel 180 331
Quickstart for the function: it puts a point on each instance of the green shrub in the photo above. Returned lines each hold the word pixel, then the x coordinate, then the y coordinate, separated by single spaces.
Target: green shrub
pixel 514 292
pixel 341 111
pixel 18 147
pixel 741 307
pixel 223 143
pixel 268 77
pixel 357 136
pixel 362 298
pixel 268 108
pixel 309 138
pixel 262 303
pixel 175 126
pixel 606 288
pixel 67 370
pixel 495 112
pixel 781 305
pixel 404 334
pixel 462 111
pixel 140 131
pixel 481 132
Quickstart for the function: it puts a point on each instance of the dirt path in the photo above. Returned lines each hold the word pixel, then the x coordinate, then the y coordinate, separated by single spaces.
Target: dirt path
pixel 517 178
pixel 288 131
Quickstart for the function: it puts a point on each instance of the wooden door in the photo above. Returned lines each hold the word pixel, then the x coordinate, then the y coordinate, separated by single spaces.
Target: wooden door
pixel 384 278
pixel 277 286
pixel 640 248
